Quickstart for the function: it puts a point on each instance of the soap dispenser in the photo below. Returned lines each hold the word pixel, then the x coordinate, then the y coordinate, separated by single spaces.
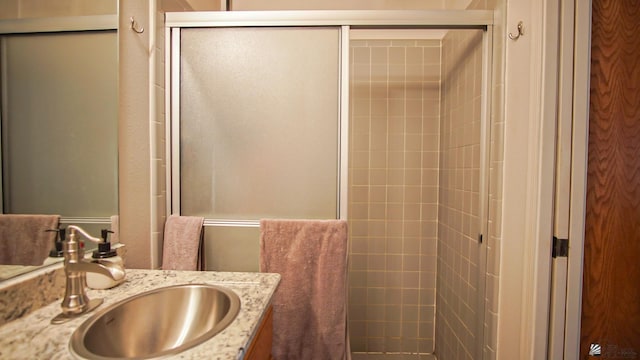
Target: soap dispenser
pixel 104 253
pixel 56 254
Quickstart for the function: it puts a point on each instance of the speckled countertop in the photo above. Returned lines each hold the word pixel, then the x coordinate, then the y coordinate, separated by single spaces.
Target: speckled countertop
pixel 33 337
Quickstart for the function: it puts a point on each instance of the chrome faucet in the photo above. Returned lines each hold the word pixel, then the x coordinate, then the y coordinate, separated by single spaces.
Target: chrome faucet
pixel 75 301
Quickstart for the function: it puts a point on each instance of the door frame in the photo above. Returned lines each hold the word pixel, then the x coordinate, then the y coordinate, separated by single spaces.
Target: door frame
pixel 573 123
pixel 530 100
pixel 536 274
pixel 581 85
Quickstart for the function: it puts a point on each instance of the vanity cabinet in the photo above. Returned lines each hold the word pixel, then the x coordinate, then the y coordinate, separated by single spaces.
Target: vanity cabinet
pixel 260 348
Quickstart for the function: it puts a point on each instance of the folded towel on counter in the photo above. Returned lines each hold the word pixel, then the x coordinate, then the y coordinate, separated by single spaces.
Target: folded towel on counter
pixel 24 239
pixel 183 243
pixel 309 306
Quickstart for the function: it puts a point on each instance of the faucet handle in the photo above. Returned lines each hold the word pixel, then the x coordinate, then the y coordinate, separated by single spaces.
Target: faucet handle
pixel 73 229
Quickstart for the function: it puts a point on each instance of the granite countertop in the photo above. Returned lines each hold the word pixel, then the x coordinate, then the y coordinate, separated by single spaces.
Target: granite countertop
pixel 9 271
pixel 33 337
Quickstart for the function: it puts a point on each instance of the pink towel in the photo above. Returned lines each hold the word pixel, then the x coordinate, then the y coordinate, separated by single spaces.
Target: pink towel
pixel 183 242
pixel 309 306
pixel 24 239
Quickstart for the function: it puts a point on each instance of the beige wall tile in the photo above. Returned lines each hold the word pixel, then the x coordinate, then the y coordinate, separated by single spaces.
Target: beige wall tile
pixel 380 55
pixel 458 196
pixel 397 144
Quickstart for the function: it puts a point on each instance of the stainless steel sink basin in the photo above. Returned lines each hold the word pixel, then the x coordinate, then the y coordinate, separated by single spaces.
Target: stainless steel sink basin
pixel 156 323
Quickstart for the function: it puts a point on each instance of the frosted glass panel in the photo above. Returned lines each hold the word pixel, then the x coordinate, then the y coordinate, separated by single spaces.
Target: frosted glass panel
pixel 230 248
pixel 60 123
pixel 259 122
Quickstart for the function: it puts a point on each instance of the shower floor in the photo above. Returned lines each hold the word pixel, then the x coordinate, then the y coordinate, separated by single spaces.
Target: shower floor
pixel 366 356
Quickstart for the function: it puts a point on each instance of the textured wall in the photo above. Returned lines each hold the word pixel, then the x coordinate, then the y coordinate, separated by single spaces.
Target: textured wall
pixel 134 183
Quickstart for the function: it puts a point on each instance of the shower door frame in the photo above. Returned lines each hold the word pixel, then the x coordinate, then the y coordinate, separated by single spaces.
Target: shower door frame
pixel 345 20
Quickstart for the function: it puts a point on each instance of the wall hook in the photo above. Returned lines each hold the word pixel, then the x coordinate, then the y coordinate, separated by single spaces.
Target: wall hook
pixel 520 32
pixel 135 27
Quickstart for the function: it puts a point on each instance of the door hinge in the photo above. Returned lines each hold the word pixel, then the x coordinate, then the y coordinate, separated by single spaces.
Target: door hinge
pixel 560 247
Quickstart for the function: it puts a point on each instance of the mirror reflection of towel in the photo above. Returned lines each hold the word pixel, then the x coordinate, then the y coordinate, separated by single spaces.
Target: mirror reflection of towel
pixel 24 239
pixel 309 306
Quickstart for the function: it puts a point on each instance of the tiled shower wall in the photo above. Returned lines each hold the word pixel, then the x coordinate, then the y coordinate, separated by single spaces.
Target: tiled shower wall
pixel 458 225
pixel 393 194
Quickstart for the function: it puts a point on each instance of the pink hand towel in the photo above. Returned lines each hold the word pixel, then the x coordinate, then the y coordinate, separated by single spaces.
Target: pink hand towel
pixel 183 242
pixel 24 239
pixel 309 306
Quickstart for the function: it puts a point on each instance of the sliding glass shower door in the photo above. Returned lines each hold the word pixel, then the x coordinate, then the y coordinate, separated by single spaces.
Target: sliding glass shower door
pixel 258 132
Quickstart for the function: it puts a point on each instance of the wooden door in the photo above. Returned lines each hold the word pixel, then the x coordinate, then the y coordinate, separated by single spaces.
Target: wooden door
pixel 611 284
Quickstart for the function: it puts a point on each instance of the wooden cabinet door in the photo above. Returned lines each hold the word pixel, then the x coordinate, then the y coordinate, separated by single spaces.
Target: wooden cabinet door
pixel 260 348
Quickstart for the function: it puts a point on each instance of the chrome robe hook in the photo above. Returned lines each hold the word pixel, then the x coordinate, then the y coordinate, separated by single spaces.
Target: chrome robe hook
pixel 520 32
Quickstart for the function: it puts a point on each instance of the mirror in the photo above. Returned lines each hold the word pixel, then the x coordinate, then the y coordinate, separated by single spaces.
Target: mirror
pixel 58 111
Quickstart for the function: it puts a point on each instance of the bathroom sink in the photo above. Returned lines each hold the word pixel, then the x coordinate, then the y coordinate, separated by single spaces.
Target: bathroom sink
pixel 156 323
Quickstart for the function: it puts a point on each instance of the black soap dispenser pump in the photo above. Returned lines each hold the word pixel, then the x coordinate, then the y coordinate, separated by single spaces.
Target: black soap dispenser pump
pixel 56 252
pixel 104 254
pixel 104 250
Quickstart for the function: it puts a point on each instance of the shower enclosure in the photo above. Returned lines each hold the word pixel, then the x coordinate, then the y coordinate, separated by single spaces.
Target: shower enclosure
pixel 415 184
pixel 380 118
